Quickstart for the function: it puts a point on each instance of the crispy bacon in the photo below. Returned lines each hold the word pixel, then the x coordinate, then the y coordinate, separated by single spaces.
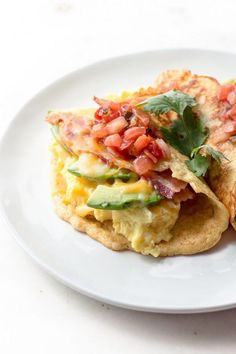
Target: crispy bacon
pixel 143 165
pixel 143 118
pixel 167 185
pixel 75 135
pixel 119 134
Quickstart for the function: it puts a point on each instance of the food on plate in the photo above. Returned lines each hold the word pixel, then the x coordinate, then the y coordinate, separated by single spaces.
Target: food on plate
pixel 216 104
pixel 128 173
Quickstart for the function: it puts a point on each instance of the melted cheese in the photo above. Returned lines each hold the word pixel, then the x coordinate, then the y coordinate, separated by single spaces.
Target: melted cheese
pixel 143 227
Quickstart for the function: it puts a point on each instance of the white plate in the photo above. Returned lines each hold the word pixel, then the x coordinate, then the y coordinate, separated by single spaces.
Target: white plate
pixel 199 283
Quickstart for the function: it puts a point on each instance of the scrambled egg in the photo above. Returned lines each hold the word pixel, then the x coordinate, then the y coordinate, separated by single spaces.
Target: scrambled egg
pixel 143 227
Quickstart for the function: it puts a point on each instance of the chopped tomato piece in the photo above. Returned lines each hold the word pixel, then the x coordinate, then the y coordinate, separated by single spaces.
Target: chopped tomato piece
pixel 108 111
pixel 164 148
pixel 113 140
pixel 224 91
pixel 99 131
pixel 231 98
pixel 142 164
pixel 116 125
pixel 126 144
pixel 106 114
pixel 111 116
pixel 155 149
pixel 100 112
pixel 141 142
pixel 134 133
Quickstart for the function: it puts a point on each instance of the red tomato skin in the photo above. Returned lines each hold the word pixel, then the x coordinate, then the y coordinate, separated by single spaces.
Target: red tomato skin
pixel 113 140
pixel 143 165
pixel 134 132
pixel 155 150
pixel 141 142
pixel 126 145
pixel 117 125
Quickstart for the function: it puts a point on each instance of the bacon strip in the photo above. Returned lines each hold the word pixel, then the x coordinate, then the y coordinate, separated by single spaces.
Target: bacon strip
pixel 167 185
pixel 75 134
pixel 171 188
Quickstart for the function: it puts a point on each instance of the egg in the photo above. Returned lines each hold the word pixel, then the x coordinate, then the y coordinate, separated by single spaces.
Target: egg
pixel 143 227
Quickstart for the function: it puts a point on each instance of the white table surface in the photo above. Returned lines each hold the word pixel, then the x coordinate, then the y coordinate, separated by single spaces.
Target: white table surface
pixel 39 42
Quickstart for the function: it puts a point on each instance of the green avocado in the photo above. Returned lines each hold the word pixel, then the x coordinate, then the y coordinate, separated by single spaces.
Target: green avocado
pixel 114 198
pixel 92 168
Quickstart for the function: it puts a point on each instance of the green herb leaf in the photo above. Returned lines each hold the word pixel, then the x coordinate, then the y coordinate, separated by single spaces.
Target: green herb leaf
pixel 198 165
pixel 185 134
pixel 216 155
pixel 173 100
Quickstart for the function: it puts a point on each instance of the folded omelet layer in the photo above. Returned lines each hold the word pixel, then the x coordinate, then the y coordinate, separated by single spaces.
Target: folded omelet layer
pixel 168 228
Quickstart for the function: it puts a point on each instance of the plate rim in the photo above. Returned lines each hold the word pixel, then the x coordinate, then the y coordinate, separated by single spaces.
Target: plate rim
pixel 48 269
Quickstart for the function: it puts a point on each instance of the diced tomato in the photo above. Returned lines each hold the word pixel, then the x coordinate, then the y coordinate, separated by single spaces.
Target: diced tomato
pixel 142 164
pixel 99 131
pixel 231 98
pixel 224 92
pixel 155 149
pixel 126 144
pixel 113 140
pixel 116 125
pixel 100 113
pixel 106 114
pixel 141 142
pixel 134 133
pixel 108 111
pixel 111 116
pixel 164 148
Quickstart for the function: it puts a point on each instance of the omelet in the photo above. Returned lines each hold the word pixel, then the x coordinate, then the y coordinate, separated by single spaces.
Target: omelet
pixel 205 90
pixel 167 228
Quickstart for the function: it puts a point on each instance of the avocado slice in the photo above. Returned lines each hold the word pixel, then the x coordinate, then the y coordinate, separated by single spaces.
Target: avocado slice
pixel 91 167
pixel 114 198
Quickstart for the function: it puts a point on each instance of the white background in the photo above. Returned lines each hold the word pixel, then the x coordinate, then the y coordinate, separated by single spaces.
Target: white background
pixel 39 42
